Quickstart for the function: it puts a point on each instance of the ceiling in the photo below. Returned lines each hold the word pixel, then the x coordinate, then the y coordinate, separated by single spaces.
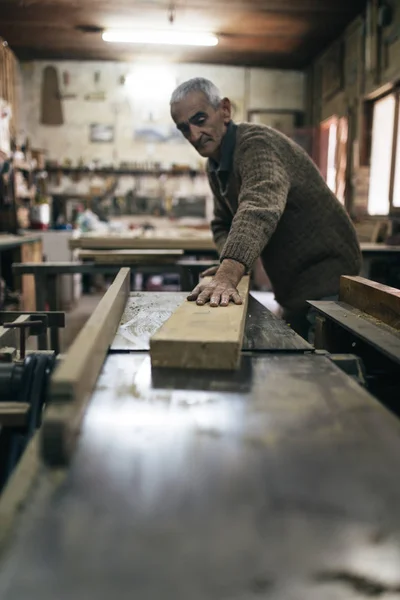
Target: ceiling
pixel 268 33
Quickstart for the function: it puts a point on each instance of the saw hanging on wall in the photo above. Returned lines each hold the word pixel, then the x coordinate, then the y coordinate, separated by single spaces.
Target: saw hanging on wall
pixel 51 107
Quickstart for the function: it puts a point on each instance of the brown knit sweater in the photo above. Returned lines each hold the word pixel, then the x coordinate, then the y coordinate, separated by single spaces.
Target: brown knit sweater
pixel 275 204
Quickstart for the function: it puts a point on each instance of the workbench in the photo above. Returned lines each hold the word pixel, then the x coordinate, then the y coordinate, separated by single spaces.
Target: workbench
pixel 193 243
pixel 20 248
pixel 46 277
pixel 278 480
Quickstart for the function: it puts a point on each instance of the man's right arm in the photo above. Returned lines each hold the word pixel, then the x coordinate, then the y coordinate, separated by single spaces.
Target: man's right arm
pixel 222 219
pixel 220 226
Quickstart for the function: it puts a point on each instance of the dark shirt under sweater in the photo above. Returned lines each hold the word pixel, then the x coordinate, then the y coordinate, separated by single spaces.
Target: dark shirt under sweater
pixel 270 200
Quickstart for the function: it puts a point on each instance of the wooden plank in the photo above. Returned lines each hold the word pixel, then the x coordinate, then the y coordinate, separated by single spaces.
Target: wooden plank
pixel 130 256
pixel 13 414
pixel 76 376
pixel 142 243
pixel 378 300
pixel 202 337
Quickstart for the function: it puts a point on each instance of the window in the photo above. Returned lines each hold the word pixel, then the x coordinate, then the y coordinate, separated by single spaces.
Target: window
pixel 331 162
pixel 333 154
pixel 396 186
pixel 384 182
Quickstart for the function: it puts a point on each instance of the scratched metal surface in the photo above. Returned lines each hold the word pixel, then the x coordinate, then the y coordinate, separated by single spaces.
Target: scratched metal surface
pixel 145 312
pixel 282 485
pixel 384 338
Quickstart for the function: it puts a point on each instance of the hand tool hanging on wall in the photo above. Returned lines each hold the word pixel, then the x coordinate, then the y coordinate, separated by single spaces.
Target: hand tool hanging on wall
pixel 51 108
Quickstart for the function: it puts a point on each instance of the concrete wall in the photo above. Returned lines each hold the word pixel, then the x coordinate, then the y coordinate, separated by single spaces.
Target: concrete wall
pixel 141 103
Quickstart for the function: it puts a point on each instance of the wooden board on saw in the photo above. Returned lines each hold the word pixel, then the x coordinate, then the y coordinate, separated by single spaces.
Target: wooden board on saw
pixel 77 374
pixel 202 337
pixel 375 299
pixel 130 257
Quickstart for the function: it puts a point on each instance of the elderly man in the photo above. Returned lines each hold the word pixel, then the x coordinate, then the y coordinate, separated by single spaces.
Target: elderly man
pixel 270 201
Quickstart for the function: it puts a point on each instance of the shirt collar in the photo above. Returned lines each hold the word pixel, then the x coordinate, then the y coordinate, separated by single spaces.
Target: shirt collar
pixel 227 150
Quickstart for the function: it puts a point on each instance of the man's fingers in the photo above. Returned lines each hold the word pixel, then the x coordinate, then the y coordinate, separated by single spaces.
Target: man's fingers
pixel 236 298
pixel 195 293
pixel 217 295
pixel 215 298
pixel 204 296
pixel 225 297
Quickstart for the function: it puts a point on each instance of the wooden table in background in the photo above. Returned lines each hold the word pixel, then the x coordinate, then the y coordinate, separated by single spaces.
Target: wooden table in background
pixel 189 242
pixel 22 249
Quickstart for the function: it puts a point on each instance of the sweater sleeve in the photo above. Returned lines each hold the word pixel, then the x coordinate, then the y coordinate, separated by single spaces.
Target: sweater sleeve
pixel 262 199
pixel 220 227
pixel 222 219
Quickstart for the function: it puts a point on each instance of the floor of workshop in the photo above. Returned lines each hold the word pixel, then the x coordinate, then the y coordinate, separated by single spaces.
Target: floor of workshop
pixel 77 317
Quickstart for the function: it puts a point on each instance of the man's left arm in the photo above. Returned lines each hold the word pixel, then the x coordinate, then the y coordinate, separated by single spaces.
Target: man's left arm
pixel 262 200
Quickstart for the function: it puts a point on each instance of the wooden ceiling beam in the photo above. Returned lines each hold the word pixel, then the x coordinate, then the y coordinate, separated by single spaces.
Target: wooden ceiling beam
pixel 293 30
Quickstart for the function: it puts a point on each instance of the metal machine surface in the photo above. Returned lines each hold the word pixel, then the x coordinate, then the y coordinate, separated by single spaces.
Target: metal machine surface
pixel 366 322
pixel 278 480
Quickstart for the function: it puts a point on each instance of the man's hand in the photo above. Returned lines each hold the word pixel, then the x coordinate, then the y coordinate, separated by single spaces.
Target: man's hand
pixel 222 289
pixel 209 272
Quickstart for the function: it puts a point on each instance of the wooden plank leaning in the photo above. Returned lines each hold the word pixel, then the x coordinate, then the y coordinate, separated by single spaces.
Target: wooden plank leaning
pixel 201 337
pixel 375 299
pixel 75 378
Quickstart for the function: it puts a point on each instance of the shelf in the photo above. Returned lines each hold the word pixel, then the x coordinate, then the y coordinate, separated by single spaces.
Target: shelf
pixel 23 166
pixel 27 196
pixel 110 171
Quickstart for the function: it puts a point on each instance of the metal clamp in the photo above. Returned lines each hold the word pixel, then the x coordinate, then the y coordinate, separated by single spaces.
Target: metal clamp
pixel 35 327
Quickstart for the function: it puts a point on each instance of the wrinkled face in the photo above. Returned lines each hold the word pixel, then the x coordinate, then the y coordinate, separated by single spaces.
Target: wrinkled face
pixel 201 124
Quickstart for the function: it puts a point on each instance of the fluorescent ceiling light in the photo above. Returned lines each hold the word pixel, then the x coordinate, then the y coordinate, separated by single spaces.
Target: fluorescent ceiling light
pixel 169 36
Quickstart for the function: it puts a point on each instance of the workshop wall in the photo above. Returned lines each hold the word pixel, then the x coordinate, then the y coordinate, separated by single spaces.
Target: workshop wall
pixel 119 112
pixel 362 64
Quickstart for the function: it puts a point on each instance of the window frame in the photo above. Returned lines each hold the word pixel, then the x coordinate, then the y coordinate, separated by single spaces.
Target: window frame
pixel 368 139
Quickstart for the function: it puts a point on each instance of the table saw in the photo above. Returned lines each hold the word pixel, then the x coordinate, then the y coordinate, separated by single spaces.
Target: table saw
pixel 278 480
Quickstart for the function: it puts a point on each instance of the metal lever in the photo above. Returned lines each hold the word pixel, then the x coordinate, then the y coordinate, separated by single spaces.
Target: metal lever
pixel 36 327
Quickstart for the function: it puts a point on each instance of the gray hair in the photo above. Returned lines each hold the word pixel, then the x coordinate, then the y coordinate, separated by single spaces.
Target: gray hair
pixel 198 84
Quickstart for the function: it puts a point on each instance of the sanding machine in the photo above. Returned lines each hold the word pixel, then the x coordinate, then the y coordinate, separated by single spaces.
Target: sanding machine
pixel 24 380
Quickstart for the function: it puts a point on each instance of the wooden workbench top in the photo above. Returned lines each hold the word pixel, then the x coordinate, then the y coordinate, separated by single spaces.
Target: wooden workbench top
pixel 158 239
pixel 370 247
pixel 8 241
